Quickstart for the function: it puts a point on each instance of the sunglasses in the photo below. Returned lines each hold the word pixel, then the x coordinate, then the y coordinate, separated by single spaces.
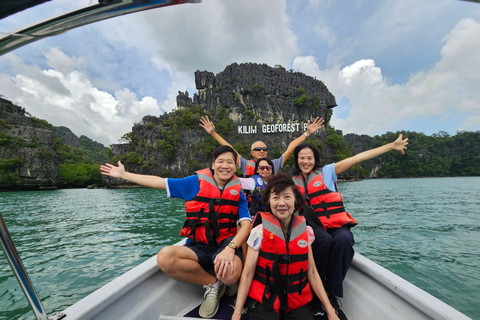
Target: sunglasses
pixel 260 149
pixel 265 168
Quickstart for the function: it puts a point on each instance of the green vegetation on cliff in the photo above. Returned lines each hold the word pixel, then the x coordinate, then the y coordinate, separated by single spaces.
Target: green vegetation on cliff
pixel 77 167
pixel 8 168
pixel 430 156
pixel 302 99
pixel 80 167
pixel 80 174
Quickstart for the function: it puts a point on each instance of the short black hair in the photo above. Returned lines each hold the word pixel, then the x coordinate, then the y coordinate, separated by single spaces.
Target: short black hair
pixel 264 159
pixel 223 149
pixel 277 184
pixel 299 148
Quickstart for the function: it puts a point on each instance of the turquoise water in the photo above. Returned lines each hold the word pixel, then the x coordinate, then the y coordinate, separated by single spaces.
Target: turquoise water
pixel 74 241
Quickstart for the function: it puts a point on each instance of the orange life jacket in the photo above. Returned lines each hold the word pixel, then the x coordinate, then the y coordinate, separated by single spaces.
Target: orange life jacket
pixel 322 207
pixel 281 276
pixel 250 168
pixel 213 213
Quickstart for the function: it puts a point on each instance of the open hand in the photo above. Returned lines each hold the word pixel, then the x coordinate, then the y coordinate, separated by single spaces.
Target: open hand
pixel 400 144
pixel 208 125
pixel 315 125
pixel 112 171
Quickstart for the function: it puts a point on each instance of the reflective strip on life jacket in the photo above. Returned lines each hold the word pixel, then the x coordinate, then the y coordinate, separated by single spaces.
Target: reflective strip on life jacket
pixel 250 169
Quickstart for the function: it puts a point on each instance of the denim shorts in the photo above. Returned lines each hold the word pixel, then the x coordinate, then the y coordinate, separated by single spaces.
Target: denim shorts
pixel 206 253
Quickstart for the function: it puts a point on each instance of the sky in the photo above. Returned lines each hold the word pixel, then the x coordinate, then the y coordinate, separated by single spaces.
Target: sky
pixel 392 65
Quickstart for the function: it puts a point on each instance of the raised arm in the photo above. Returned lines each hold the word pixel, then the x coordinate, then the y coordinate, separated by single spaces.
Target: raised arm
pixel 208 125
pixel 120 172
pixel 399 144
pixel 311 128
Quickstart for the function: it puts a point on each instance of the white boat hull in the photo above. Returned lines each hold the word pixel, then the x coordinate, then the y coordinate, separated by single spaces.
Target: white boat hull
pixel 371 292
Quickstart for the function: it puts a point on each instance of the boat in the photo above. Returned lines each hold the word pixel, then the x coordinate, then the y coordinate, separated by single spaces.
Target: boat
pixel 145 292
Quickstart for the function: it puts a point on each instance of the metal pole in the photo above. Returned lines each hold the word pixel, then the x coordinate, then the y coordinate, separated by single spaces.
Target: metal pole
pixel 20 272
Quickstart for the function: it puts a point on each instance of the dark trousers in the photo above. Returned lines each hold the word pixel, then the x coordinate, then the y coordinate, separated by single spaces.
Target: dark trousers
pixel 258 312
pixel 333 253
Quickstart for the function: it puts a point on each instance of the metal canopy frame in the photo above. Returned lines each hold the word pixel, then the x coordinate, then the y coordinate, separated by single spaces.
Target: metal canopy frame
pixel 77 18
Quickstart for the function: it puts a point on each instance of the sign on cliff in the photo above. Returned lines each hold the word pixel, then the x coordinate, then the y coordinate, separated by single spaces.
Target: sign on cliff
pixel 272 128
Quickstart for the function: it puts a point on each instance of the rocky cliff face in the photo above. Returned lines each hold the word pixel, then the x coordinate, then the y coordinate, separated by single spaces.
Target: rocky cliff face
pixel 68 137
pixel 32 150
pixel 247 102
pixel 27 159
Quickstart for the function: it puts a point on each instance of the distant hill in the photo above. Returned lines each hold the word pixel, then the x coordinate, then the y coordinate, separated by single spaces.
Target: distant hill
pixel 34 154
pixel 438 155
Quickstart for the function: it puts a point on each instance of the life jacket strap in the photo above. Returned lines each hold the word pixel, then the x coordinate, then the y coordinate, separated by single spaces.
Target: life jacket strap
pixel 325 211
pixel 317 193
pixel 311 217
pixel 261 276
pixel 193 224
pixel 275 288
pixel 215 231
pixel 216 201
pixel 281 258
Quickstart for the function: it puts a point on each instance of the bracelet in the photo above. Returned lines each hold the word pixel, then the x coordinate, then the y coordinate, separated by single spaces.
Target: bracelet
pixel 305 133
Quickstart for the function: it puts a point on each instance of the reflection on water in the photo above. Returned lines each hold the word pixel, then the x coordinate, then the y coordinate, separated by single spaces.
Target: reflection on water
pixel 74 241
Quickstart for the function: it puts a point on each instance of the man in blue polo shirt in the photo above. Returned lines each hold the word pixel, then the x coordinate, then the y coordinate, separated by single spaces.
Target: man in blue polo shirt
pixel 214 205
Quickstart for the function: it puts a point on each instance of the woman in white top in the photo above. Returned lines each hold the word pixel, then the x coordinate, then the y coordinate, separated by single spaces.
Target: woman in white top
pixel 279 269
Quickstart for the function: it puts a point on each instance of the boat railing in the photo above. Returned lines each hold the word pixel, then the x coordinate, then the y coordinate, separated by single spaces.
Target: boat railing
pixel 22 276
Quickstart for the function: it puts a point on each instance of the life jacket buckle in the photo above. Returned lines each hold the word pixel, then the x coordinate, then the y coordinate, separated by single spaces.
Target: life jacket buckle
pixel 284 259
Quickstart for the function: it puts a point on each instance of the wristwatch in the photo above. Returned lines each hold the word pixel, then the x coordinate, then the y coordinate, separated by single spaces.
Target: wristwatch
pixel 233 245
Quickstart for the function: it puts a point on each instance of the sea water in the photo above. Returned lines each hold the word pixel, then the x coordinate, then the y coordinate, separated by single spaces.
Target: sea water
pixel 74 241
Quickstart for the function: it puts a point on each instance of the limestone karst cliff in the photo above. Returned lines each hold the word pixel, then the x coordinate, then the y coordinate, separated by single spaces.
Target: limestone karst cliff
pixel 32 152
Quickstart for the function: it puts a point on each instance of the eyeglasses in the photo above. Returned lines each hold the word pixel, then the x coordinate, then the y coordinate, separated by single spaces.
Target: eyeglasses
pixel 260 149
pixel 265 168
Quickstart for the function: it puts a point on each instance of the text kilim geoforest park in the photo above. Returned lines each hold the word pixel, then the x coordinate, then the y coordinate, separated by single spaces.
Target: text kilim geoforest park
pixel 272 128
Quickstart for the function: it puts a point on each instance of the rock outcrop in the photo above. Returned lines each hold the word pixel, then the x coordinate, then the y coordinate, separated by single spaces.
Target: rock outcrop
pixel 68 137
pixel 27 158
pixel 32 150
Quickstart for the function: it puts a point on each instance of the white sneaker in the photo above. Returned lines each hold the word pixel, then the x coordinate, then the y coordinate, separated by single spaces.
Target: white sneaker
pixel 209 307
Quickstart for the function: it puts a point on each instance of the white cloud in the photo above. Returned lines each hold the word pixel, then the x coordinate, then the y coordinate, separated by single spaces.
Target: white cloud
pixel 65 96
pixel 61 62
pixel 377 105
pixel 207 36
